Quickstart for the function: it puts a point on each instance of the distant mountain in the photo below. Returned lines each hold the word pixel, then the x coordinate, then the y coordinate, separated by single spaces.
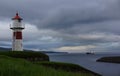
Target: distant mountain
pixel 47 51
pixel 5 49
pixel 9 49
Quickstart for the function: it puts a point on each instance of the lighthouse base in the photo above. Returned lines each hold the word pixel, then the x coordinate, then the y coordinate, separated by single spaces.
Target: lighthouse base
pixel 17 45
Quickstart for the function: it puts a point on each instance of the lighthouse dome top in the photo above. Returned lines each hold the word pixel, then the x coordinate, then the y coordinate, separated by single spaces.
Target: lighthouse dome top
pixel 17 17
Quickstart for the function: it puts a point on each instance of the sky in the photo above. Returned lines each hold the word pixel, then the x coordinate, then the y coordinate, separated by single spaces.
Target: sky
pixel 64 25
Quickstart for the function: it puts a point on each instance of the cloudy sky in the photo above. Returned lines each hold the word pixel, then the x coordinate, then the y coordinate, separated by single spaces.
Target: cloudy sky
pixel 64 25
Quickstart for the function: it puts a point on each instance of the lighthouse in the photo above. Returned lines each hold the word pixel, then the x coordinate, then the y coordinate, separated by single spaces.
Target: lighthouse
pixel 17 28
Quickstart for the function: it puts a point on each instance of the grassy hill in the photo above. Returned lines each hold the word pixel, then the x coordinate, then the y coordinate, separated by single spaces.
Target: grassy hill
pixel 68 67
pixel 24 63
pixel 112 59
pixel 20 67
pixel 28 55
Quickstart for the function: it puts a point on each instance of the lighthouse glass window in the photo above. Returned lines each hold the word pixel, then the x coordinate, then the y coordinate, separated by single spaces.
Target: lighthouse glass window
pixel 16 23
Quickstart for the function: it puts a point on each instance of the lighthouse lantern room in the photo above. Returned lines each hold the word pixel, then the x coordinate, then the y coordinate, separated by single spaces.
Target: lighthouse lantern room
pixel 17 28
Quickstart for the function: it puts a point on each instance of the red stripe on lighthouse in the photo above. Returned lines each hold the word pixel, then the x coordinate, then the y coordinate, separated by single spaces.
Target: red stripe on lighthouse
pixel 17 35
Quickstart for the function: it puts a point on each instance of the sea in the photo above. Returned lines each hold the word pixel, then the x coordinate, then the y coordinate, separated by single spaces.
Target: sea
pixel 89 61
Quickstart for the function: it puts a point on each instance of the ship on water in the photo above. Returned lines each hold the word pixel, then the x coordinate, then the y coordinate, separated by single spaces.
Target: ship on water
pixel 90 52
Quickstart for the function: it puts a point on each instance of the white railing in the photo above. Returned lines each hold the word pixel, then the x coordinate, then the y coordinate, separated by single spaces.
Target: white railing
pixel 17 27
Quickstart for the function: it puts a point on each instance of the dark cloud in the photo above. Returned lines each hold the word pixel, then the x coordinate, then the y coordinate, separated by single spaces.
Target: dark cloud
pixel 69 18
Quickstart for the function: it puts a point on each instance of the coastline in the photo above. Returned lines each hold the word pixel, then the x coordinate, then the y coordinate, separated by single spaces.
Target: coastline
pixel 89 62
pixel 32 58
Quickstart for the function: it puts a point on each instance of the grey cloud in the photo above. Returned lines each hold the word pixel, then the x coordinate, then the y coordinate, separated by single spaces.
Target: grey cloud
pixel 67 21
pixel 66 17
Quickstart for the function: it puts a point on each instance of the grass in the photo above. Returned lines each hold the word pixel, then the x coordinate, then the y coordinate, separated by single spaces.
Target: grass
pixel 20 67
pixel 69 67
pixel 60 65
pixel 31 56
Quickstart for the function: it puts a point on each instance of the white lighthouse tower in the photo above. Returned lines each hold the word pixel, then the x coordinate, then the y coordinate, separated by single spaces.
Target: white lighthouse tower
pixel 17 28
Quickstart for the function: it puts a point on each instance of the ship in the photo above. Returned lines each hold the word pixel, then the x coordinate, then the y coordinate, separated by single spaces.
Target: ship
pixel 90 52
